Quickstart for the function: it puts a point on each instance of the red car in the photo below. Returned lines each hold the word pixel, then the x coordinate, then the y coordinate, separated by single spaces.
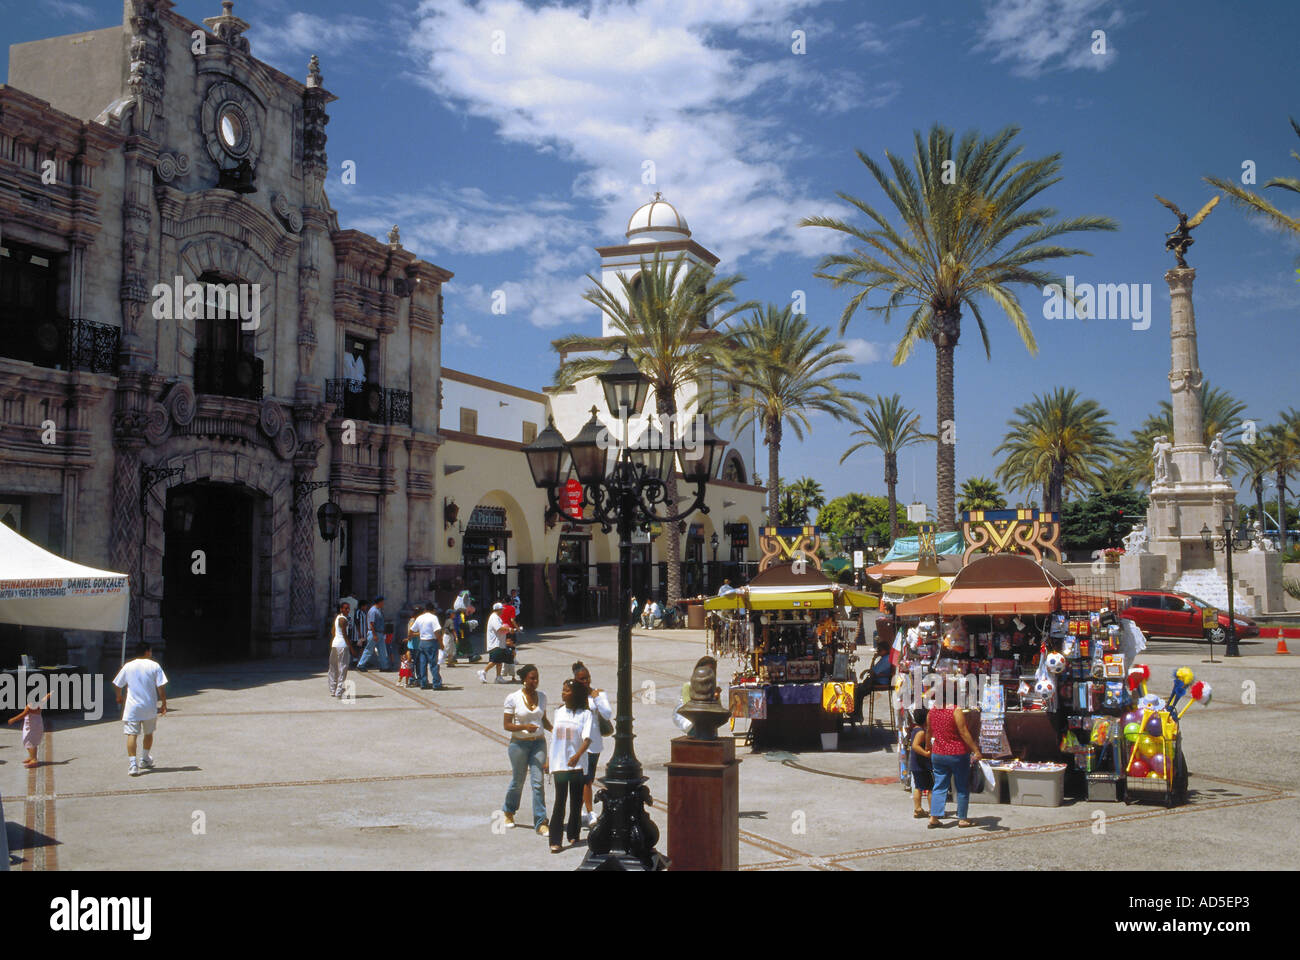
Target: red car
pixel 1168 613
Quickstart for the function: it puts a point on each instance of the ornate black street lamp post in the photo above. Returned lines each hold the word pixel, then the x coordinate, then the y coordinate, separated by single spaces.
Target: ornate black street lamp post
pixel 625 487
pixel 1229 542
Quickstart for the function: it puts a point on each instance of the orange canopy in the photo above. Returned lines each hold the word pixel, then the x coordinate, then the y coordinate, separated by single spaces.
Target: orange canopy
pixel 998 600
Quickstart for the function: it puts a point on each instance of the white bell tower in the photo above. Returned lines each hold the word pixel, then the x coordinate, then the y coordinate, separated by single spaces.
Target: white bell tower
pixel 655 227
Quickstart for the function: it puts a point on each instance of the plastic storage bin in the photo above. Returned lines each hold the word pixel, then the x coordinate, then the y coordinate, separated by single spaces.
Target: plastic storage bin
pixel 1036 788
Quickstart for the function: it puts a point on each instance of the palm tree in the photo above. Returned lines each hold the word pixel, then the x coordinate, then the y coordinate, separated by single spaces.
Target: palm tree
pixel 1220 413
pixel 782 369
pixel 1283 448
pixel 662 316
pixel 980 493
pixel 890 427
pixel 1060 442
pixel 1255 203
pixel 966 233
pixel 808 494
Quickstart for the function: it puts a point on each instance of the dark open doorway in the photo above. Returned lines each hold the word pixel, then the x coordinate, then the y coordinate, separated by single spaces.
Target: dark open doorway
pixel 208 564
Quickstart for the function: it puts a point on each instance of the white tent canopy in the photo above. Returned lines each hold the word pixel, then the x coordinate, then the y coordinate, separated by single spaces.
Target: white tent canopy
pixel 42 589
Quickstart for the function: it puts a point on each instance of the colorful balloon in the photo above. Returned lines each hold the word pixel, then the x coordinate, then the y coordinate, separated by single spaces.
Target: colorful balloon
pixel 1154 726
pixel 1132 731
pixel 1185 674
pixel 1148 746
pixel 1157 763
pixel 1139 769
pixel 1133 716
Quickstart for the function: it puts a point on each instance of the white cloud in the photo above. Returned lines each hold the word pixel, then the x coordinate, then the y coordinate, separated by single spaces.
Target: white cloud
pixel 461 333
pixel 307 33
pixel 1040 35
pixel 863 351
pixel 67 8
pixel 607 87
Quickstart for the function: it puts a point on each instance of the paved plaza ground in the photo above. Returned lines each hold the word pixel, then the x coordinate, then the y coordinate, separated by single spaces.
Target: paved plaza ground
pixel 282 777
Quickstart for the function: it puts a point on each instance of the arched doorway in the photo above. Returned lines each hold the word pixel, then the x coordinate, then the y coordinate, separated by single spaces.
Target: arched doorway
pixel 209 572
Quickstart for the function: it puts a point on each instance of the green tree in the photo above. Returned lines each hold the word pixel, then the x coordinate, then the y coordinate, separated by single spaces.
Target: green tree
pixel 967 233
pixel 661 316
pixel 890 427
pixel 782 369
pixel 980 493
pixel 1220 413
pixel 1100 520
pixel 1058 442
pixel 1282 445
pixel 842 514
pixel 798 499
pixel 1256 205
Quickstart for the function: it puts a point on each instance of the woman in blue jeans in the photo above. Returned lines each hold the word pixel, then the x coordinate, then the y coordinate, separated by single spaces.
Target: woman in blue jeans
pixel 951 750
pixel 525 719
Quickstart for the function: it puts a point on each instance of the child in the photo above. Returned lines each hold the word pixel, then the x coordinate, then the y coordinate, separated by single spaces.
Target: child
pixel 33 729
pixel 919 762
pixel 406 675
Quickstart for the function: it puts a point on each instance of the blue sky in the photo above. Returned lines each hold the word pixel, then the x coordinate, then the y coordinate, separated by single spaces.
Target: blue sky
pixel 509 167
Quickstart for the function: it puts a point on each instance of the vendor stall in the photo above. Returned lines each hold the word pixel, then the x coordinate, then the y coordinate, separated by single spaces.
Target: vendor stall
pixel 793 635
pixel 1045 665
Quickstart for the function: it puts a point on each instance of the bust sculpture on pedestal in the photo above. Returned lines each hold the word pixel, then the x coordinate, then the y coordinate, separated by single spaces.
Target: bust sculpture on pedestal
pixel 703 709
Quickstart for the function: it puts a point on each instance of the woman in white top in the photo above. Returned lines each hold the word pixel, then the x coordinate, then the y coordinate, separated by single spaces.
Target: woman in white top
pixel 340 653
pixel 570 738
pixel 525 719
pixel 599 704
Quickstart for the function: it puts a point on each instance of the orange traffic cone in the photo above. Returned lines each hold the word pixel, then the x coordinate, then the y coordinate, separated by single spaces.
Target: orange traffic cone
pixel 1281 644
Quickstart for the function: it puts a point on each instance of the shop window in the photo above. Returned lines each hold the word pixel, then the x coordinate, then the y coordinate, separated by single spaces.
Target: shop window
pixel 468 420
pixel 530 432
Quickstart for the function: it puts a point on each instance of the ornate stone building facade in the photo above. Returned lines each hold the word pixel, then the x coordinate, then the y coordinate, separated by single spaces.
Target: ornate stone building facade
pixel 179 301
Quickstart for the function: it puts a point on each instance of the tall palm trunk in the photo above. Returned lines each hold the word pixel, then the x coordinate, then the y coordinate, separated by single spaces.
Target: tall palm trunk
pixel 772 437
pixel 667 409
pixel 891 484
pixel 945 345
pixel 1281 509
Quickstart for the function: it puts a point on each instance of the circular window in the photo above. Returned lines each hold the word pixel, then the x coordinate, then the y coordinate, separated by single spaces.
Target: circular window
pixel 232 129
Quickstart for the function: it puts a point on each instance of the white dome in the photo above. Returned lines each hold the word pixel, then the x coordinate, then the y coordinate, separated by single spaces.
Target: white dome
pixel 656 221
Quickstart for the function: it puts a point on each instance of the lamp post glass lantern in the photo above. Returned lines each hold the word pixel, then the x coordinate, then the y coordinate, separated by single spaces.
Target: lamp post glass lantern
pixel 625 487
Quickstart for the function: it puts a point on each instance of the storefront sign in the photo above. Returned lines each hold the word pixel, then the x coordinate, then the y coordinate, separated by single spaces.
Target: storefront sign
pixel 738 534
pixel 487 518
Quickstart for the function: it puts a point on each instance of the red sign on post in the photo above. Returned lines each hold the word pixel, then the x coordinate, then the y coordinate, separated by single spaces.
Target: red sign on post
pixel 572 500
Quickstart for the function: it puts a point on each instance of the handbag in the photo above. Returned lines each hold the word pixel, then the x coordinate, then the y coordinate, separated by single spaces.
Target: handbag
pixel 606 727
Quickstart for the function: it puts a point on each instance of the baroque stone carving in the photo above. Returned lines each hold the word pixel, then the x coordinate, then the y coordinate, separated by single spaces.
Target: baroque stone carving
pixel 181 404
pixel 290 216
pixel 169 166
pixel 228 28
pixel 146 51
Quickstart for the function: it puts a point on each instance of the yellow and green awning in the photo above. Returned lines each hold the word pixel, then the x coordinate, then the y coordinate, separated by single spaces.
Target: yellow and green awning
pixel 819 597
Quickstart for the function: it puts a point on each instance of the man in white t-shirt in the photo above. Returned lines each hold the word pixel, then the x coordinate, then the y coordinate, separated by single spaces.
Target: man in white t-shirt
pixel 429 630
pixel 500 645
pixel 141 689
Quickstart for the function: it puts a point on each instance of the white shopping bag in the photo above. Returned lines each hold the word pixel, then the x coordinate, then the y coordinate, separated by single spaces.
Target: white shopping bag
pixel 986 768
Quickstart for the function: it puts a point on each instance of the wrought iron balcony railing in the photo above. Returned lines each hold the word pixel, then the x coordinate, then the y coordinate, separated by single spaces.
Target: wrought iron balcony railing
pixel 228 374
pixel 364 400
pixel 62 344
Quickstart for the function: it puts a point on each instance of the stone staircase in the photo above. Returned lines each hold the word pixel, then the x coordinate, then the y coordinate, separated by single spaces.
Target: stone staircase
pixel 1210 586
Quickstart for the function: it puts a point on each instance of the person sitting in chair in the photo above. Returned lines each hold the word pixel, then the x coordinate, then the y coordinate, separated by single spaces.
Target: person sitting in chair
pixel 880 673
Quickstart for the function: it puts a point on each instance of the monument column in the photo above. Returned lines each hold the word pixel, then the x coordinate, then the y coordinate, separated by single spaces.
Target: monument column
pixel 1190 452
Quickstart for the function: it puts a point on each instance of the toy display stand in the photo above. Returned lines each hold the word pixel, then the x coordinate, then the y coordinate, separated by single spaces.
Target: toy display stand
pixel 1171 793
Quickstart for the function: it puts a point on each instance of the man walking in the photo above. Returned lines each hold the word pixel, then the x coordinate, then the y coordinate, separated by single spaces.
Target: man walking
pixel 429 630
pixel 375 646
pixel 500 645
pixel 140 686
pixel 340 651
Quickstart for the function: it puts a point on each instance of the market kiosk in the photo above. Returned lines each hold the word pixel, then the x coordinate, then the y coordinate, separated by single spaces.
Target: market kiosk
pixel 793 634
pixel 1045 662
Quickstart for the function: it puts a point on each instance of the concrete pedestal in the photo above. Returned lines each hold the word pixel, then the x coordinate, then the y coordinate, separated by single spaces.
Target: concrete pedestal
pixel 704 805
